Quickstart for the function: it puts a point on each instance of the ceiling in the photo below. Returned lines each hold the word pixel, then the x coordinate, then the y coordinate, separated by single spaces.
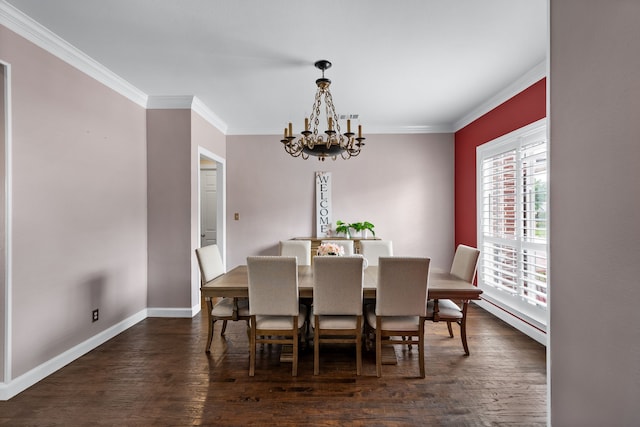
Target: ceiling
pixel 403 66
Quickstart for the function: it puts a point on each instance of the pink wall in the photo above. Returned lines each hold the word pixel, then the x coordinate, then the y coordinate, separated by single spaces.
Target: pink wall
pixel 401 183
pixel 169 201
pixel 79 205
pixel 173 137
pixel 204 135
pixel 595 208
pixel 519 111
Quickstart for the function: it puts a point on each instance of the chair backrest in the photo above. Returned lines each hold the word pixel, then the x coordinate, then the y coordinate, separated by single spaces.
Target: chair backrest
pixel 297 248
pixel 210 263
pixel 465 263
pixel 273 285
pixel 347 245
pixel 337 285
pixel 374 249
pixel 402 286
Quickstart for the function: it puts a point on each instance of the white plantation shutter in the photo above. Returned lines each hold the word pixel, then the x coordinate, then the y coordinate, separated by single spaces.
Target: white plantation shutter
pixel 512 222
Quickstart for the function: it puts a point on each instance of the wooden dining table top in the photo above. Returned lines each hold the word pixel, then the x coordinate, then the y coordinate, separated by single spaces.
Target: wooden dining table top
pixel 441 285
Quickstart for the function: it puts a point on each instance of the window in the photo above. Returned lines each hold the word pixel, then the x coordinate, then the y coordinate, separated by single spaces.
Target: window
pixel 512 222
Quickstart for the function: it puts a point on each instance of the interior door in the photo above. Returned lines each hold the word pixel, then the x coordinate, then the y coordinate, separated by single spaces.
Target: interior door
pixel 208 207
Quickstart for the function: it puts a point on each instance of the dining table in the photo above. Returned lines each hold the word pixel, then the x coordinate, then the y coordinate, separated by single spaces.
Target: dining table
pixel 441 285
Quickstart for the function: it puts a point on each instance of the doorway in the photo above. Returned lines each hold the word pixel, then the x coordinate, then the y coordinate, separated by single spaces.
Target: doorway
pixel 211 201
pixel 208 202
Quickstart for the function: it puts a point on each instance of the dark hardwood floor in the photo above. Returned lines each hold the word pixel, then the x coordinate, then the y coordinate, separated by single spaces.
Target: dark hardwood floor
pixel 157 374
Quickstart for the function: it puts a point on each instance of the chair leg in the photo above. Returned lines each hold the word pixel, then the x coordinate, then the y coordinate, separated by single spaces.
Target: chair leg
pixel 212 320
pixel 294 368
pixel 252 348
pixel 463 328
pixel 450 329
pixel 316 345
pixel 359 346
pixel 207 349
pixel 224 327
pixel 378 347
pixel 421 349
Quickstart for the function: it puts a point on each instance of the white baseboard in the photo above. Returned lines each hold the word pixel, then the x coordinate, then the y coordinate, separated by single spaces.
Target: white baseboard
pixel 187 313
pixel 520 325
pixel 24 381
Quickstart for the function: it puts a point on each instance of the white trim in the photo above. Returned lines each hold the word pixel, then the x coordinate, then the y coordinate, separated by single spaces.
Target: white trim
pixel 186 102
pixel 517 323
pixel 169 102
pixel 186 313
pixel 31 30
pixel 221 208
pixel 8 185
pixel 24 381
pixel 532 76
pixel 199 107
pixel 370 130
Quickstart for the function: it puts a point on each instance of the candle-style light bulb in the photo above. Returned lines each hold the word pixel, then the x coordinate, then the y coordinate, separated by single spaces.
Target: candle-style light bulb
pixel 290 129
pixel 348 125
pixel 359 131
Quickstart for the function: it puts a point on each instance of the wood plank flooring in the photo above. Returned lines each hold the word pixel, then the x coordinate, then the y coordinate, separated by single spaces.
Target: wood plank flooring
pixel 157 374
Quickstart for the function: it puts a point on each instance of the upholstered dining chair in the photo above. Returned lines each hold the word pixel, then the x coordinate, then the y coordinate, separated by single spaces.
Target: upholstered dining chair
pixel 337 304
pixel 347 245
pixel 464 266
pixel 276 314
pixel 374 249
pixel 297 248
pixel 400 309
pixel 211 266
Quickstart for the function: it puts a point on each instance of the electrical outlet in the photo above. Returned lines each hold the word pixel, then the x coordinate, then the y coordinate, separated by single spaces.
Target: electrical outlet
pixel 94 315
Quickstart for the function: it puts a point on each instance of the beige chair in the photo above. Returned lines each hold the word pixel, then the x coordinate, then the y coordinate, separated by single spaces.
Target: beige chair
pixel 297 248
pixel 210 263
pixel 347 245
pixel 374 249
pixel 276 314
pixel 400 309
pixel 337 304
pixel 464 266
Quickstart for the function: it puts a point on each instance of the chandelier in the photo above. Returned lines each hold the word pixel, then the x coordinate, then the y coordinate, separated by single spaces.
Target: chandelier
pixel 311 143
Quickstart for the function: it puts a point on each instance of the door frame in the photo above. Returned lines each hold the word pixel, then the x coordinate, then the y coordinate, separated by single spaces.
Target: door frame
pixel 6 279
pixel 221 196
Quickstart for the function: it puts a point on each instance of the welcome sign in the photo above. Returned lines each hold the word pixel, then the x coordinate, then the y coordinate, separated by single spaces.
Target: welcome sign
pixel 323 204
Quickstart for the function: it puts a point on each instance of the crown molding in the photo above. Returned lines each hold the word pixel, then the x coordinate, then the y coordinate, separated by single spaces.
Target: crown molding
pixel 186 102
pixel 370 130
pixel 169 102
pixel 199 107
pixel 31 30
pixel 441 128
pixel 534 75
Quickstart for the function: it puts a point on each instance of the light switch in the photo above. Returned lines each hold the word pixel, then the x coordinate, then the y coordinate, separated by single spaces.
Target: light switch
pixel 236 216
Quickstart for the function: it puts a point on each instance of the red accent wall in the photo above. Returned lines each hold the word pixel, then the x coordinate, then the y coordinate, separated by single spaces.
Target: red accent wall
pixel 524 108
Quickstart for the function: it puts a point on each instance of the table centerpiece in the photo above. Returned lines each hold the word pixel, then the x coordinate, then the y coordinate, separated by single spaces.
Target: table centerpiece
pixel 330 249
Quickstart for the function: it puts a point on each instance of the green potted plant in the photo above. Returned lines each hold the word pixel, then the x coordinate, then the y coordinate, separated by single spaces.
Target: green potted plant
pixel 361 227
pixel 343 228
pixel 368 226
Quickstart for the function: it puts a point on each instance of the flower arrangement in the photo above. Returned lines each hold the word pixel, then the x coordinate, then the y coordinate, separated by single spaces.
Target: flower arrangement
pixel 330 249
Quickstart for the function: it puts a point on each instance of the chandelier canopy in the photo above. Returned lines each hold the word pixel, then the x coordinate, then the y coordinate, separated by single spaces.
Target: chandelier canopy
pixel 311 143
